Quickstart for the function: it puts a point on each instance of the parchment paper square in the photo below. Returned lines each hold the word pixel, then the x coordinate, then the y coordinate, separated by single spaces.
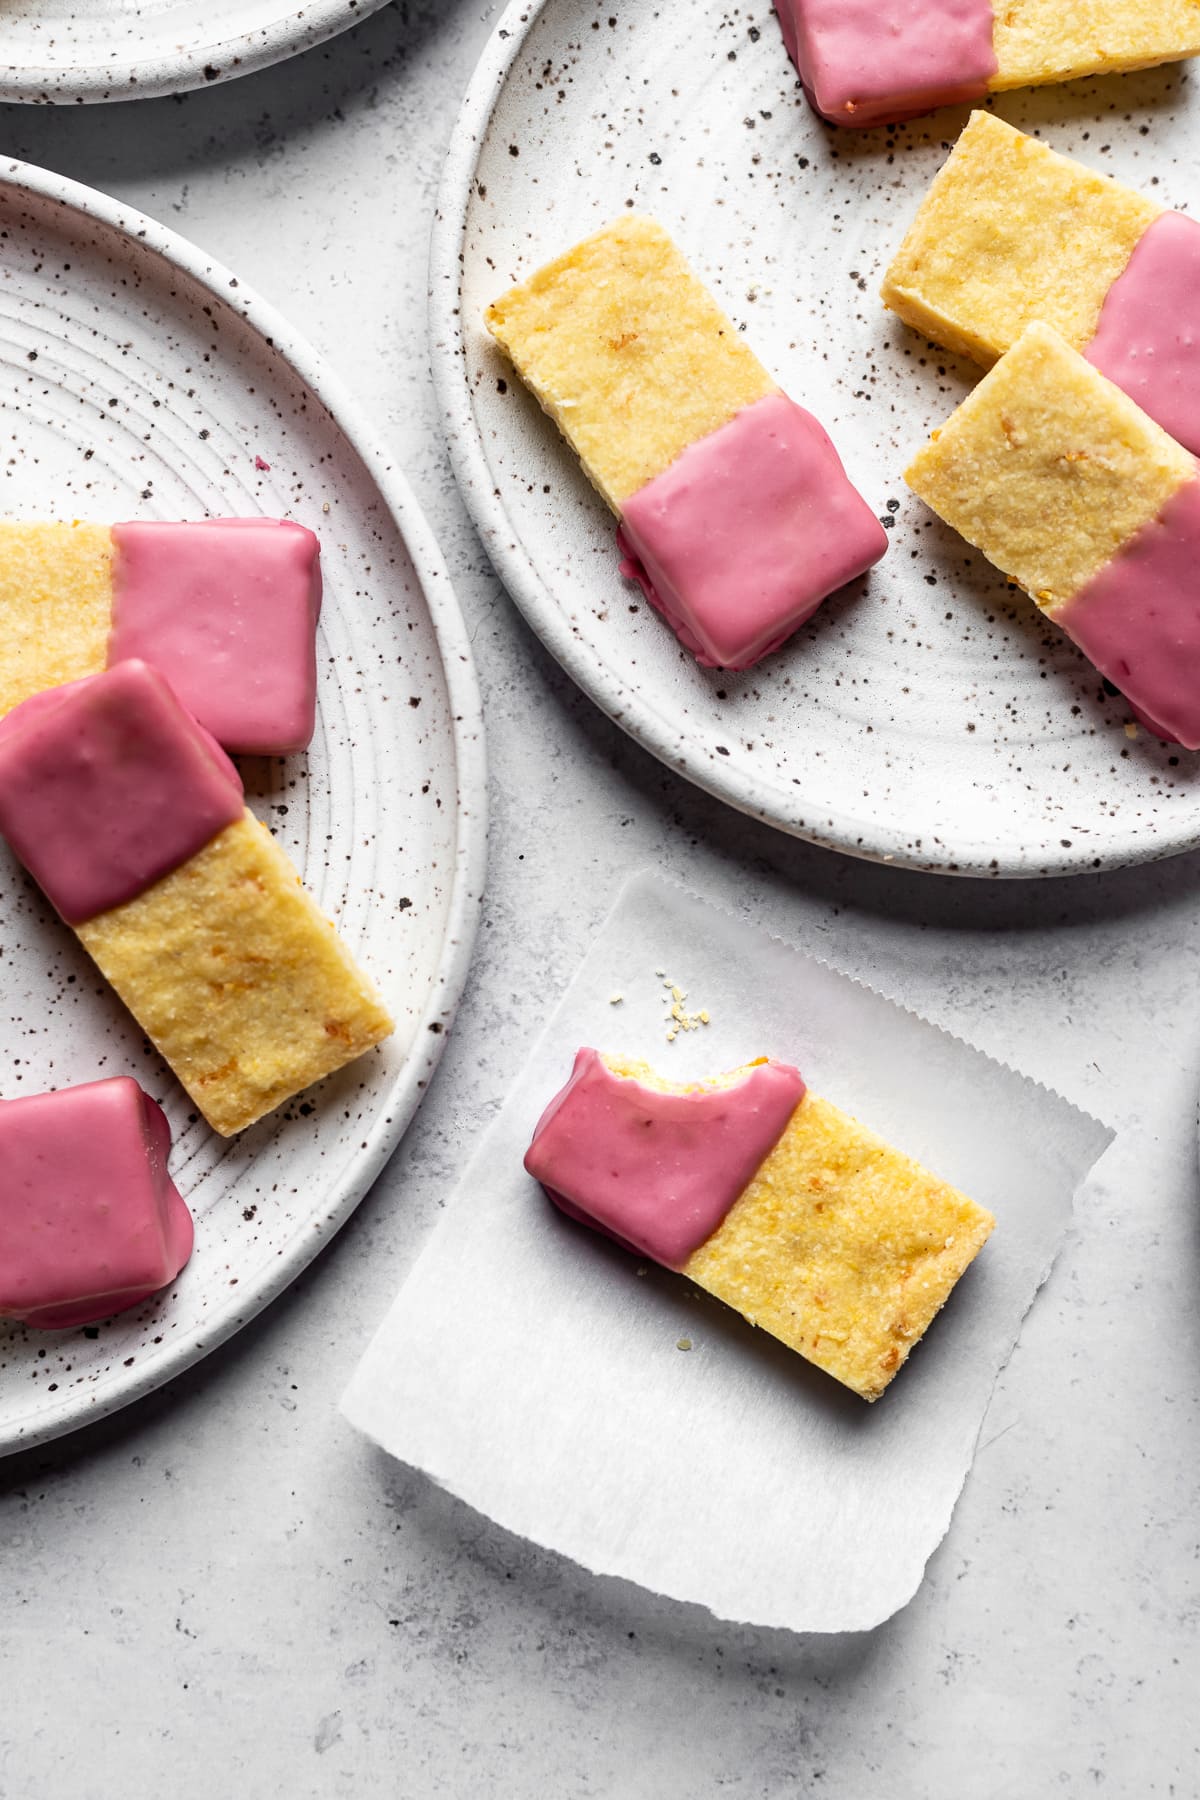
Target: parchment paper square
pixel 534 1368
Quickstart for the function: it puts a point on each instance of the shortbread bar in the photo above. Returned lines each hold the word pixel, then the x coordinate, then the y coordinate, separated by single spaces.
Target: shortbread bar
pixel 132 820
pixel 226 608
pixel 1011 232
pixel 90 1221
pixel 870 62
pixel 774 1201
pixel 1078 496
pixel 737 517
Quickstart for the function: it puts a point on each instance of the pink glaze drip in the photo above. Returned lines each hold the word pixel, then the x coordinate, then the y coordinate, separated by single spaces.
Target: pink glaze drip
pixel 740 540
pixel 872 62
pixel 90 1221
pixel 1139 620
pixel 658 1172
pixel 107 784
pixel 1148 338
pixel 228 610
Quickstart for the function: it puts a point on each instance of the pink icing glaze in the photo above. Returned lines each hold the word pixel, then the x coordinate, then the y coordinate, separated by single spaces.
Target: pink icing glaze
pixel 1139 620
pixel 107 784
pixel 90 1220
pixel 870 62
pixel 228 610
pixel 657 1171
pixel 1148 338
pixel 740 540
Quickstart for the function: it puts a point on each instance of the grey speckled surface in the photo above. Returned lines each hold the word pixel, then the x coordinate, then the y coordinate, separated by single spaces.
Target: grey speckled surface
pixel 224 1591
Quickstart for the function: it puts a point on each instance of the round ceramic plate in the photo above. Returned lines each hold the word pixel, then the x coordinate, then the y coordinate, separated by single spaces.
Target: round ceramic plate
pixel 926 715
pixel 66 51
pixel 137 379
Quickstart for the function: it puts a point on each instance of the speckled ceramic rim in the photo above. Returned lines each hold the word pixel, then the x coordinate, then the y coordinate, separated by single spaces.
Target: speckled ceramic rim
pixel 196 66
pixel 397 1105
pixel 870 838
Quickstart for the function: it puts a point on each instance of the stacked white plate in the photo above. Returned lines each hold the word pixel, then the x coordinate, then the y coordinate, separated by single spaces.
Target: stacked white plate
pixel 139 379
pixel 81 50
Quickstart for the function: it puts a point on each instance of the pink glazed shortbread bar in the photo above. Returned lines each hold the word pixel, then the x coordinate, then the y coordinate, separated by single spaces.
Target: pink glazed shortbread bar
pixel 736 515
pixel 132 820
pixel 1079 497
pixel 1011 232
pixel 870 62
pixel 226 608
pixel 90 1221
pixel 769 1198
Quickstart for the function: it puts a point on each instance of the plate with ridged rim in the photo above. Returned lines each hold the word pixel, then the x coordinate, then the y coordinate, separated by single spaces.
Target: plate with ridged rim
pixel 140 379
pixel 927 716
pixel 67 52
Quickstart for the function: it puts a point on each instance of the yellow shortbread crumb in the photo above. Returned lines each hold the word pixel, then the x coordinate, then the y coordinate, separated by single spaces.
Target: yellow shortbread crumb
pixel 240 981
pixel 628 353
pixel 840 1246
pixel 1057 40
pixel 1011 232
pixel 55 606
pixel 1048 468
pixel 678 1018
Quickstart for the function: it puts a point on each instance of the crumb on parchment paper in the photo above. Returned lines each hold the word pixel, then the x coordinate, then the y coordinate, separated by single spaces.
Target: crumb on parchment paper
pixel 678 1017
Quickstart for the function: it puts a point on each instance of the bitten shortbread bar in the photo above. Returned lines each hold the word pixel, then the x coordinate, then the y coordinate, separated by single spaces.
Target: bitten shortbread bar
pixel 226 608
pixel 1011 232
pixel 132 820
pixel 772 1200
pixel 90 1221
pixel 868 62
pixel 1075 494
pixel 737 517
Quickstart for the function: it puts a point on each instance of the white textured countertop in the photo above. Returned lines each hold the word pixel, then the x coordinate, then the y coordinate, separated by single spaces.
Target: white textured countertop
pixel 224 1592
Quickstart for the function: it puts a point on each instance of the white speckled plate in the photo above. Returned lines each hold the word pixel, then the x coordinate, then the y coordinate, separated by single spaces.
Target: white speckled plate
pixel 138 379
pixel 926 716
pixel 66 51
